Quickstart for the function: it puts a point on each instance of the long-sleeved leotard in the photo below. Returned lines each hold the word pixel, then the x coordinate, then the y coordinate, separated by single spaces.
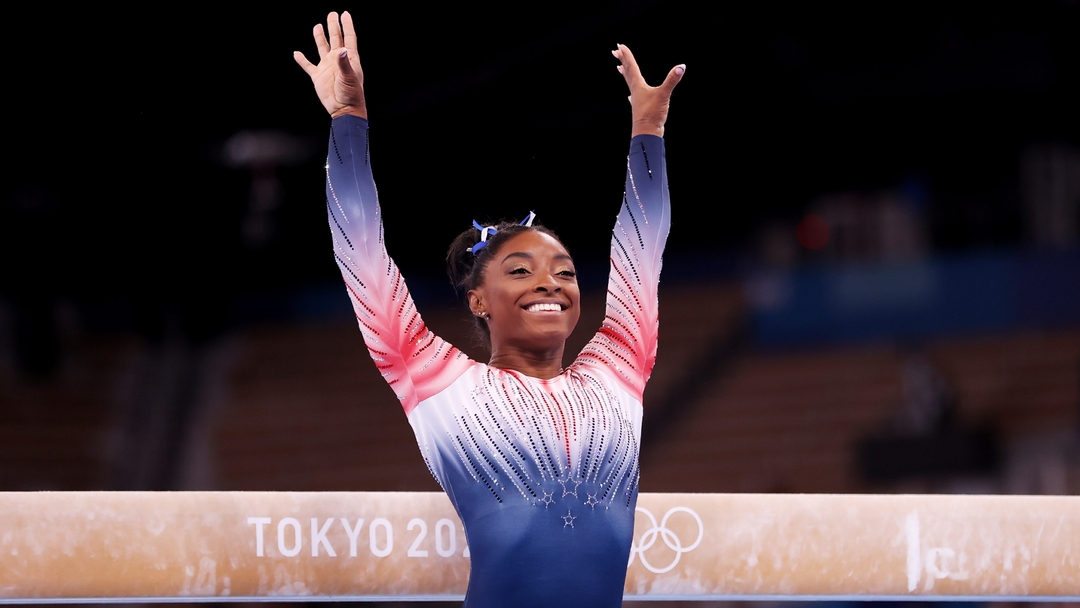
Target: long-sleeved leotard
pixel 543 473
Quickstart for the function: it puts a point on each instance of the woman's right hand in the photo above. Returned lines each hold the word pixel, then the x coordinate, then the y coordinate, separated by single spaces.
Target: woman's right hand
pixel 338 79
pixel 649 105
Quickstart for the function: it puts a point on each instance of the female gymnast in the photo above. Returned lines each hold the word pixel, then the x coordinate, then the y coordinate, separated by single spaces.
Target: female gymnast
pixel 540 462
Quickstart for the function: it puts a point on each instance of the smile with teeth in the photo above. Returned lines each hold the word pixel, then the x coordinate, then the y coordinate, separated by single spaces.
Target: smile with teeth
pixel 543 307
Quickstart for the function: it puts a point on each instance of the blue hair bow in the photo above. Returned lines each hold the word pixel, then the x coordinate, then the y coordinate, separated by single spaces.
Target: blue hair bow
pixel 485 231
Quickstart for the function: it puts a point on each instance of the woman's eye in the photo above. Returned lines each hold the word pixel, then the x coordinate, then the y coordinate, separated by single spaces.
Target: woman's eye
pixel 568 273
pixel 520 271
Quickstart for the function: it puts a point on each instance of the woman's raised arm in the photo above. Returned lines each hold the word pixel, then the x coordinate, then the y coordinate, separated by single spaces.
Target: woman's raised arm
pixel 338 78
pixel 414 361
pixel 627 339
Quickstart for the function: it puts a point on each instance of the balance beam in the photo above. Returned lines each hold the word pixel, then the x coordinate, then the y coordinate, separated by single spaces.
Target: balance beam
pixel 262 546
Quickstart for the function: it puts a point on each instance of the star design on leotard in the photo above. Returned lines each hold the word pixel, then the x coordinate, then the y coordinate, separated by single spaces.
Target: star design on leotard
pixel 566 492
pixel 592 501
pixel 568 519
pixel 548 498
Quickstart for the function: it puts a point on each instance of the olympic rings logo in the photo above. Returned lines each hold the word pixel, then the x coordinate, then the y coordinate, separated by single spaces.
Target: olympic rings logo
pixel 648 539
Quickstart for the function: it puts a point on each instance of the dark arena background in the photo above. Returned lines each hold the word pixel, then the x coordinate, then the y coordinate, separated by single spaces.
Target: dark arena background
pixel 872 283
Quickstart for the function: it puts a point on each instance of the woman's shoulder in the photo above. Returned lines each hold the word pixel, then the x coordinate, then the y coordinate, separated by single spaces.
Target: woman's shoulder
pixel 605 361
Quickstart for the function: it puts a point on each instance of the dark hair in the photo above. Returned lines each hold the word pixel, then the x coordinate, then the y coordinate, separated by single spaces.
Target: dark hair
pixel 466 269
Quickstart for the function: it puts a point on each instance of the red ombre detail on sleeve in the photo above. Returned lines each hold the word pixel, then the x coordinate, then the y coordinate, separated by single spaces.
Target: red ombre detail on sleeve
pixel 416 363
pixel 626 342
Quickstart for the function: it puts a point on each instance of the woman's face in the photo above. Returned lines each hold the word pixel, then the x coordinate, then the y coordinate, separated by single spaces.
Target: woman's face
pixel 530 294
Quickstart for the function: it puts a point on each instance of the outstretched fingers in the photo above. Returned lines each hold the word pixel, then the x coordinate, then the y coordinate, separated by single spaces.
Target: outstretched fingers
pixel 320 40
pixel 350 31
pixel 673 78
pixel 306 65
pixel 335 30
pixel 628 66
pixel 345 67
pixel 648 104
pixel 350 42
pixel 336 75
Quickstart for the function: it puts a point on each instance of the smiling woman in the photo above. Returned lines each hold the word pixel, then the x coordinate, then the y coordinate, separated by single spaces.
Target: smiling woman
pixel 540 462
pixel 522 289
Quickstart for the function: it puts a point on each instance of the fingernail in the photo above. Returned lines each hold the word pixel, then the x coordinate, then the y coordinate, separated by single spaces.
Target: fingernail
pixel 619 67
pixel 679 69
pixel 344 53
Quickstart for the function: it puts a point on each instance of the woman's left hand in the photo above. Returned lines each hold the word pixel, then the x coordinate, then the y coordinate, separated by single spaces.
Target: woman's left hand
pixel 338 79
pixel 649 105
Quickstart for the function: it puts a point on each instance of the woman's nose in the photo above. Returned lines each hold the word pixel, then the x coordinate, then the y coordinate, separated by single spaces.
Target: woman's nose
pixel 547 282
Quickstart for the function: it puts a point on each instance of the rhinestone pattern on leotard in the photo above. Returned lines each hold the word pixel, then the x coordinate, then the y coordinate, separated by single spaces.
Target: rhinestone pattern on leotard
pixel 539 441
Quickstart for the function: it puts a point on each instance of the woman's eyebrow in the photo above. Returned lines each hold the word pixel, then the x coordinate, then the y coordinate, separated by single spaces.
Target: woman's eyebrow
pixel 518 254
pixel 529 256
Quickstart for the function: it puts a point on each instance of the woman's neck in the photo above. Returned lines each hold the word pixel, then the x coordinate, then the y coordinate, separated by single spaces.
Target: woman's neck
pixel 543 365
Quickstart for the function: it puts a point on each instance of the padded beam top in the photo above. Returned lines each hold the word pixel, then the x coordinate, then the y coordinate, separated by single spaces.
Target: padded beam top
pixel 220 546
